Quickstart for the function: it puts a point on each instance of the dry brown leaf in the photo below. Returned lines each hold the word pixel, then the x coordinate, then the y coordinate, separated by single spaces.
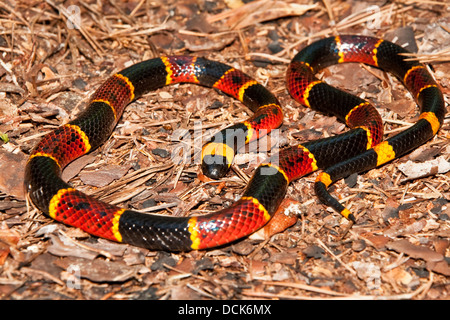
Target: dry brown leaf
pixel 435 261
pixel 418 252
pixel 439 266
pixel 11 177
pixel 406 228
pixel 98 270
pixel 285 217
pixel 414 170
pixel 400 275
pixel 259 11
pixel 8 238
pixel 62 247
pixel 75 166
pixel 104 176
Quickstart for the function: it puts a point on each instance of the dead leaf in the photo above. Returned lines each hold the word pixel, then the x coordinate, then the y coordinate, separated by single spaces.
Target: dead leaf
pixel 9 87
pixel 378 241
pixel 99 270
pixel 441 267
pixel 12 171
pixel 285 217
pixel 283 258
pixel 8 238
pixel 258 269
pixel 104 176
pixel 400 275
pixel 259 11
pixel 417 252
pixel 75 166
pixel 62 247
pixel 404 228
pixel 414 170
pixel 441 245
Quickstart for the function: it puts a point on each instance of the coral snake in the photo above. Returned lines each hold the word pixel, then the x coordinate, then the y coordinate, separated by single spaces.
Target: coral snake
pixel 359 149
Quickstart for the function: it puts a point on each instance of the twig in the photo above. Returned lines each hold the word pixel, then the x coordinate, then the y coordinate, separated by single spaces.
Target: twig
pixel 44 274
pixel 200 291
pixel 304 287
pixel 81 245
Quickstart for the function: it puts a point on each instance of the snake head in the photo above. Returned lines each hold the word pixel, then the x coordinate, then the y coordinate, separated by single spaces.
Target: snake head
pixel 216 159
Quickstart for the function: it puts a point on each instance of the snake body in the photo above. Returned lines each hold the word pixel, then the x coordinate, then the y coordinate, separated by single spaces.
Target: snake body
pixel 361 148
